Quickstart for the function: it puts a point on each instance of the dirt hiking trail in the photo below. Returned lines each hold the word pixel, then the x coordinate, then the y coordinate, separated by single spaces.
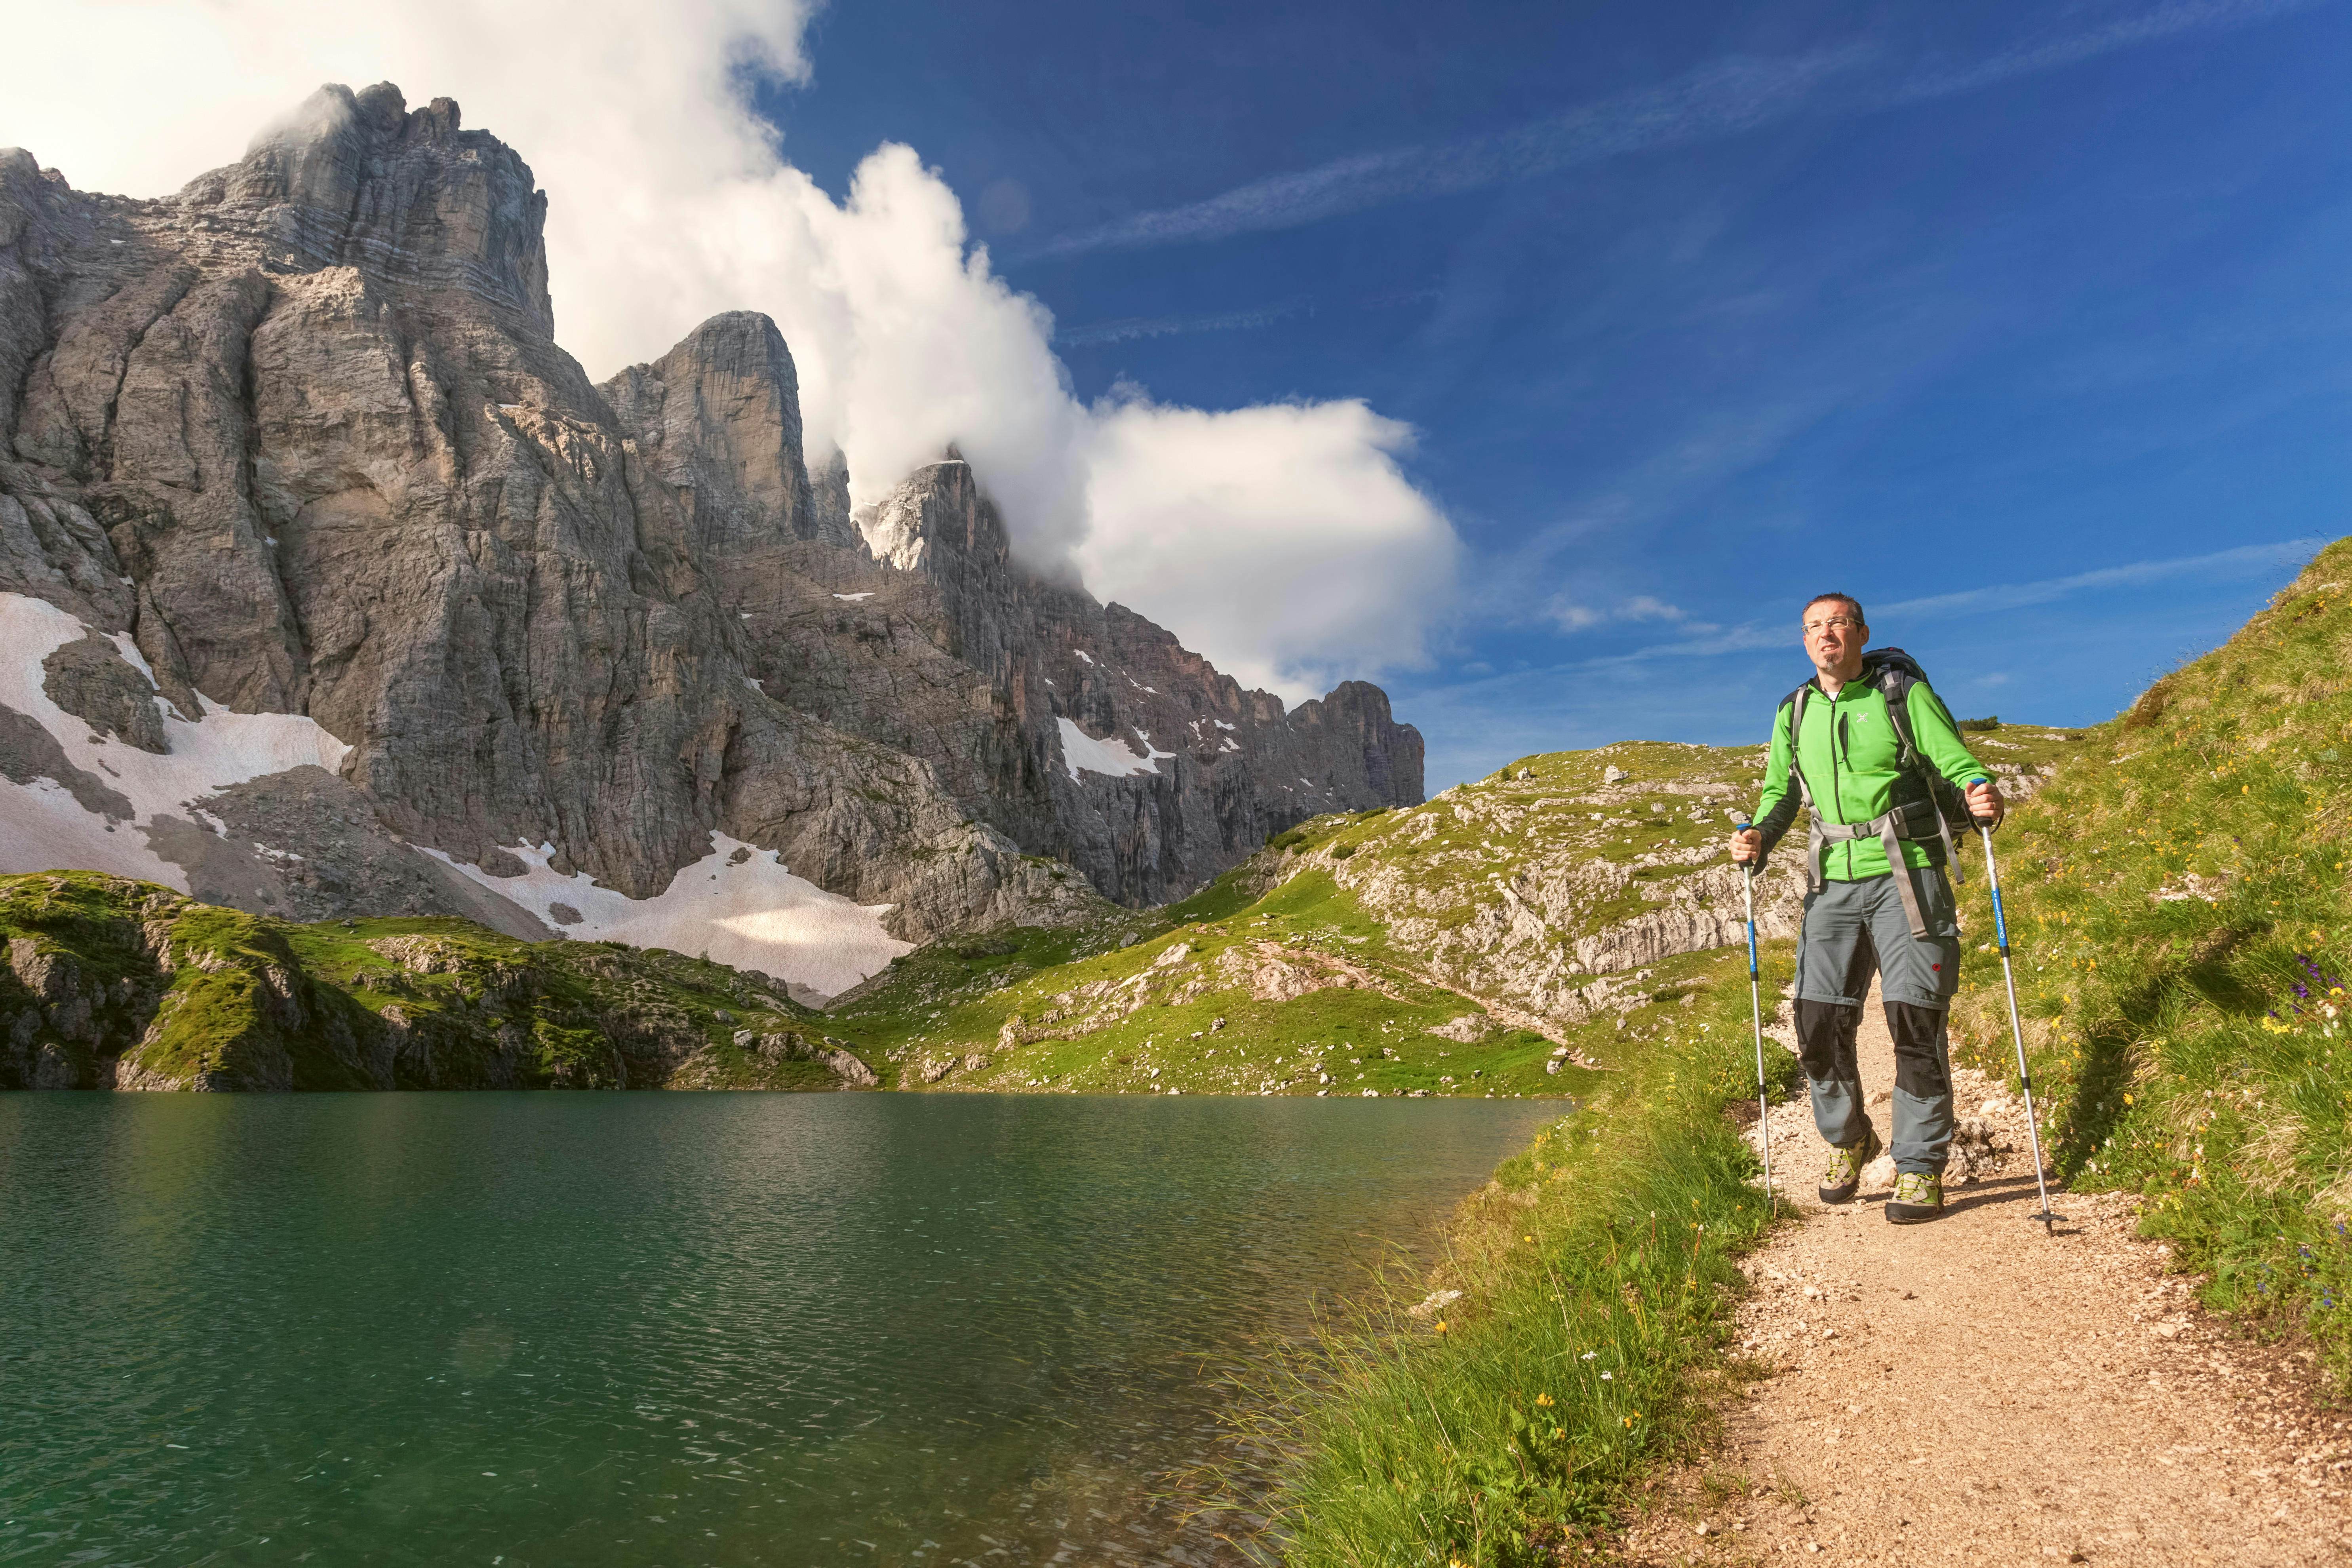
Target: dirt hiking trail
pixel 1972 1391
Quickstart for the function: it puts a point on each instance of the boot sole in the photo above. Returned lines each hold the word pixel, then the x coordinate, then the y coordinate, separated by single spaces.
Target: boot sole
pixel 1911 1213
pixel 1838 1194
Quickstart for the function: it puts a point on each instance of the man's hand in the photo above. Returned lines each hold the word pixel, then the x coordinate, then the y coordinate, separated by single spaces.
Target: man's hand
pixel 1747 845
pixel 1986 805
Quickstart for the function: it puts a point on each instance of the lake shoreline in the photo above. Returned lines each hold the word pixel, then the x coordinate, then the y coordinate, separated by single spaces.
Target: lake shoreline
pixel 1571 1341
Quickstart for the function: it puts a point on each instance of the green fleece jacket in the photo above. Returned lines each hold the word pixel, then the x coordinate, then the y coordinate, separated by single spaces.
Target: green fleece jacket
pixel 1849 752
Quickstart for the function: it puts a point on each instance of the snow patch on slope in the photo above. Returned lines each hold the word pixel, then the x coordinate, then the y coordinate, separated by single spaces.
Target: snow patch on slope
pixel 750 912
pixel 43 827
pixel 1113 757
pixel 738 904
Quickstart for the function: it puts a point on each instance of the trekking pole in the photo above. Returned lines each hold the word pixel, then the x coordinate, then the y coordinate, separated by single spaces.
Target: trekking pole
pixel 1756 1011
pixel 2016 1030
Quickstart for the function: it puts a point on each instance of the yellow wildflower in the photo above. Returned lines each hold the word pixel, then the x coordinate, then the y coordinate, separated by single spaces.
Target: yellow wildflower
pixel 1543 1399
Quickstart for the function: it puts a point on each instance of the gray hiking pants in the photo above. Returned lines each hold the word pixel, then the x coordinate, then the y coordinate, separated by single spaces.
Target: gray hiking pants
pixel 1850 929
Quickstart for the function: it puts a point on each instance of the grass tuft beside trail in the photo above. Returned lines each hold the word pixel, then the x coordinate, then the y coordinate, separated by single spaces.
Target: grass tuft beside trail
pixel 1505 1425
pixel 2178 904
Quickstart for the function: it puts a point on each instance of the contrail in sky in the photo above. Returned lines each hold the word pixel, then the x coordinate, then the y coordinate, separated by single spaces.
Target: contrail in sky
pixel 1126 329
pixel 1129 328
pixel 1720 99
pixel 2223 564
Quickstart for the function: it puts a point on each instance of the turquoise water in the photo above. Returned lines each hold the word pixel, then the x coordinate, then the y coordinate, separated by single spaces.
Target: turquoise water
pixel 666 1329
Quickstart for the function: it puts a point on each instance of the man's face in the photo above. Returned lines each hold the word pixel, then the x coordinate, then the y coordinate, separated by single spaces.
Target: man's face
pixel 1834 638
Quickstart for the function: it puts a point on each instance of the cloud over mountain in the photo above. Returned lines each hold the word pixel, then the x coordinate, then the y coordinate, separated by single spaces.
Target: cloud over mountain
pixel 670 199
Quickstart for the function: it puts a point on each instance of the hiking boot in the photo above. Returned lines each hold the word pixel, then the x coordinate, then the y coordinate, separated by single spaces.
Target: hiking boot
pixel 1918 1196
pixel 1843 1178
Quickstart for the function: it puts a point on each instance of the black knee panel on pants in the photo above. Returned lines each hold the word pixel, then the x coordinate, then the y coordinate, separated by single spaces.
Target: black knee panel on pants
pixel 1921 1066
pixel 1825 1032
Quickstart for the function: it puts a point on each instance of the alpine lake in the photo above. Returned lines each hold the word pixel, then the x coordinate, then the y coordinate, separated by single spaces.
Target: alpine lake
pixel 525 1330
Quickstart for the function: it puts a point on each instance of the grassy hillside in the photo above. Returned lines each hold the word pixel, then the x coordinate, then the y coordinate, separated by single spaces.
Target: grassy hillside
pixel 1506 938
pixel 111 982
pixel 1293 993
pixel 2178 901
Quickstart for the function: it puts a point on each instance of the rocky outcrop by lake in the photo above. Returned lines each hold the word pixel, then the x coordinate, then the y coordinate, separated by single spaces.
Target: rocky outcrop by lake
pixel 110 983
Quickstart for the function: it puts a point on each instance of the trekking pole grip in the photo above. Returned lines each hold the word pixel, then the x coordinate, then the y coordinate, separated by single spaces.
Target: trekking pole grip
pixel 1749 890
pixel 1982 825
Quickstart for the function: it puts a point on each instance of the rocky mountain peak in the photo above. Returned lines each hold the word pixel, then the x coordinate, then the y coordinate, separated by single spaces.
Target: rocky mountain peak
pixel 718 418
pixel 444 628
pixel 405 195
pixel 938 522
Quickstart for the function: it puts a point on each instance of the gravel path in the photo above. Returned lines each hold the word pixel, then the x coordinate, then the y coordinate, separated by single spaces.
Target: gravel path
pixel 1972 1391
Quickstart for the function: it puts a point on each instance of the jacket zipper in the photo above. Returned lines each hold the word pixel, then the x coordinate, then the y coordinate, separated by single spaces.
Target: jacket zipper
pixel 1837 790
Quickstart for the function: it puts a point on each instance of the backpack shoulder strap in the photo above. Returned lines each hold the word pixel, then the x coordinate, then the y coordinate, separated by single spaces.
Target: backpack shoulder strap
pixel 1895 683
pixel 1795 701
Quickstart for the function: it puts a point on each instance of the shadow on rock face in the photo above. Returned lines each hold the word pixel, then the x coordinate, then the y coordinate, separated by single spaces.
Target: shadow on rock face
pixel 307 846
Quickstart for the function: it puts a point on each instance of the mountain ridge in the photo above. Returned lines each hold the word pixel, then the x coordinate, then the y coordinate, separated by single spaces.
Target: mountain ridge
pixel 298 440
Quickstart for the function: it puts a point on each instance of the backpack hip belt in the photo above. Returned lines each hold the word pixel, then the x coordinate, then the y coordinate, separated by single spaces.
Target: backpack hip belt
pixel 1890 829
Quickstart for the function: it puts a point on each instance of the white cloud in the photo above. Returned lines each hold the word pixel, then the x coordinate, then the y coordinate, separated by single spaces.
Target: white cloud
pixel 669 200
pixel 1288 531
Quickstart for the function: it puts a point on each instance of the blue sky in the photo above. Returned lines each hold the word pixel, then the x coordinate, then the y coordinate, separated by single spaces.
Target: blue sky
pixel 2025 323
pixel 1700 310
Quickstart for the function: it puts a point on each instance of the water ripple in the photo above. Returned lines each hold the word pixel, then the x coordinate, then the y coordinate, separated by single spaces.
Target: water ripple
pixel 662 1329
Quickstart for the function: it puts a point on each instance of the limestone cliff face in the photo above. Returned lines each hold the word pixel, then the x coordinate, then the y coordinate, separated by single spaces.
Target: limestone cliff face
pixel 946 648
pixel 302 432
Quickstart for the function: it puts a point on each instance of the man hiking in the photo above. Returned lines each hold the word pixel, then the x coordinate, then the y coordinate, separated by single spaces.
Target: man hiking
pixel 1868 746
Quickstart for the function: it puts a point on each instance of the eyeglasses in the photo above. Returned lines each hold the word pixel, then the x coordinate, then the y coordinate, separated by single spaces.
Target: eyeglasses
pixel 1836 623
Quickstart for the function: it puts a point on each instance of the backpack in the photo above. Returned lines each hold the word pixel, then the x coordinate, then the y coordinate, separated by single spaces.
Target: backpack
pixel 1933 812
